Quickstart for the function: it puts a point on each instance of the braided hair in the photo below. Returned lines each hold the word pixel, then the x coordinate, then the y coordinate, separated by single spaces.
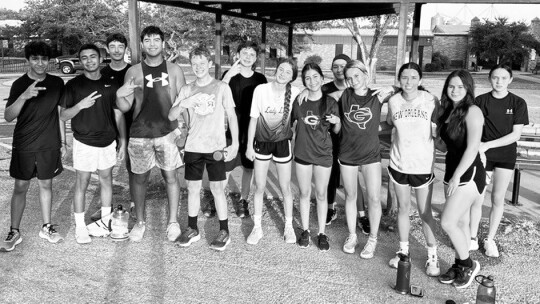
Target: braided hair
pixel 288 93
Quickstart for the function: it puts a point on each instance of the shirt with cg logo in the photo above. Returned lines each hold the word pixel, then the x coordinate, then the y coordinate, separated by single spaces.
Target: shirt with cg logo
pixel 500 116
pixel 313 142
pixel 360 119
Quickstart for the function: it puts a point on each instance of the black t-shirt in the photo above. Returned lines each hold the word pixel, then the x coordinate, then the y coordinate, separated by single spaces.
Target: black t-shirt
pixel 329 88
pixel 118 77
pixel 500 116
pixel 313 142
pixel 360 119
pixel 94 126
pixel 37 127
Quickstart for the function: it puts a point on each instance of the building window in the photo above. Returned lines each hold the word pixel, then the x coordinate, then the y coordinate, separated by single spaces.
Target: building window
pixel 339 49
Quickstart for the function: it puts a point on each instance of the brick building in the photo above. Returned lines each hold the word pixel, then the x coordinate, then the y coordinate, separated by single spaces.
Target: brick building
pixel 453 42
pixel 328 43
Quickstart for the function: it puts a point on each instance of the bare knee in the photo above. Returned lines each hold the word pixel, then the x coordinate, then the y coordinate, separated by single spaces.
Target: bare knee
pixel 21 187
pixel 448 224
pixel 216 187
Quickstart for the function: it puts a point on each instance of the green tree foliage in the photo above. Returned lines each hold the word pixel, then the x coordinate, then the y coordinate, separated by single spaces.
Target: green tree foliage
pixel 7 14
pixel 500 41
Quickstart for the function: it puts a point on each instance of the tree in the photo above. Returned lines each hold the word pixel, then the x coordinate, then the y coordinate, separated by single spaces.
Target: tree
pixel 500 41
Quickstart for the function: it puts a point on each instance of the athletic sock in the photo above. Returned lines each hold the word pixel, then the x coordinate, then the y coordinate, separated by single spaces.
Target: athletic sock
pixel 362 213
pixel 105 211
pixel 288 221
pixel 466 263
pixel 404 246
pixel 224 225
pixel 432 251
pixel 257 220
pixel 192 222
pixel 79 219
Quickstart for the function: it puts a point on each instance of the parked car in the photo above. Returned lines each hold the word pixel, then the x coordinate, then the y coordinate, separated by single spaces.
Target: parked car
pixel 68 64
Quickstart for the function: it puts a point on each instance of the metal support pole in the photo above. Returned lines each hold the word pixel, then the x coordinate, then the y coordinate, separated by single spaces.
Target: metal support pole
pixel 415 39
pixel 402 35
pixel 263 48
pixel 289 41
pixel 134 30
pixel 217 55
pixel 515 187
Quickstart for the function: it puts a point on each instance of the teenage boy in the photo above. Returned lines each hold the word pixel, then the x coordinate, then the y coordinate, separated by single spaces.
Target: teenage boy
pixel 150 88
pixel 38 140
pixel 89 101
pixel 204 104
pixel 242 80
pixel 115 72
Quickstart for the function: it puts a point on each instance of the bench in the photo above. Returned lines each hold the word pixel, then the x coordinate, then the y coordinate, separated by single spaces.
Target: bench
pixel 528 159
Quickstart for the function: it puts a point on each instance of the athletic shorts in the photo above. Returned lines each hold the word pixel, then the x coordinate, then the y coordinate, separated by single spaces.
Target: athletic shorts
pixel 413 180
pixel 306 163
pixel 371 161
pixel 279 151
pixel 146 153
pixel 195 163
pixel 476 174
pixel 89 158
pixel 43 165
pixel 239 160
pixel 491 165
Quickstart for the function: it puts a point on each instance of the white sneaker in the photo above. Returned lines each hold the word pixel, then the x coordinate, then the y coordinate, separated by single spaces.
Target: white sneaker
pixel 491 248
pixel 474 244
pixel 255 236
pixel 100 228
pixel 173 231
pixel 432 266
pixel 288 235
pixel 137 232
pixel 350 243
pixel 369 249
pixel 49 233
pixel 395 260
pixel 81 235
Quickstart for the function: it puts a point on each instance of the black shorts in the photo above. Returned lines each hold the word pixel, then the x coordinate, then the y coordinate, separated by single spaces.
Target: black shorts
pixel 240 159
pixel 475 173
pixel 413 180
pixel 43 165
pixel 491 165
pixel 279 151
pixel 306 163
pixel 195 163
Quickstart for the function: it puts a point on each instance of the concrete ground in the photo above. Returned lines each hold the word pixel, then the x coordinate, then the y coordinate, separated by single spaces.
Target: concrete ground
pixel 158 271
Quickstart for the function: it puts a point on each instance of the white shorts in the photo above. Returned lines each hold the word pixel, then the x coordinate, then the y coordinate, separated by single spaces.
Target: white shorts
pixel 89 159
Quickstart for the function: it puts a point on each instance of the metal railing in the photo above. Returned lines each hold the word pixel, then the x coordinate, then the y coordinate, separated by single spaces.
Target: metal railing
pixel 19 65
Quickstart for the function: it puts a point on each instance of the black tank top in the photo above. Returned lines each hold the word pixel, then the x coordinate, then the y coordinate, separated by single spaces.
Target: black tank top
pixel 455 149
pixel 152 120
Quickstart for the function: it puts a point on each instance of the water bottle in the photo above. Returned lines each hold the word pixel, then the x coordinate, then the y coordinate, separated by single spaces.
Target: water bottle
pixel 486 290
pixel 119 224
pixel 403 279
pixel 219 155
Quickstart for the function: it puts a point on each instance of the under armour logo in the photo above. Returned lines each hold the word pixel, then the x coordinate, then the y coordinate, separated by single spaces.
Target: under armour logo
pixel 312 120
pixel 359 116
pixel 509 111
pixel 151 80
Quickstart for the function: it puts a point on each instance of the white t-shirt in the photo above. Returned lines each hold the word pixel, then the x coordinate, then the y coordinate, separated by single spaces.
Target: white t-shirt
pixel 412 150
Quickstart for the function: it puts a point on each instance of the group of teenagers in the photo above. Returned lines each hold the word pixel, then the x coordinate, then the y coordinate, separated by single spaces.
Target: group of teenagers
pixel 147 115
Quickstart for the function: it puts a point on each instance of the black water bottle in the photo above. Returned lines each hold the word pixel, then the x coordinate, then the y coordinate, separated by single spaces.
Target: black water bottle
pixel 403 279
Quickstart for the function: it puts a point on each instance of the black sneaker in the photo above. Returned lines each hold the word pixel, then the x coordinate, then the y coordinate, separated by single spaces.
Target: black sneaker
pixel 450 276
pixel 210 208
pixel 466 275
pixel 303 240
pixel 221 241
pixel 363 224
pixel 331 216
pixel 323 242
pixel 242 208
pixel 189 236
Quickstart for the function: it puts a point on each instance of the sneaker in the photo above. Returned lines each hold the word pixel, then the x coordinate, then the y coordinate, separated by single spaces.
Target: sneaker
pixel 288 235
pixel 474 244
pixel 363 224
pixel 210 209
pixel 242 209
pixel 82 236
pixel 395 260
pixel 13 239
pixel 97 215
pixel 100 228
pixel 173 231
pixel 255 236
pixel 188 237
pixel 465 275
pixel 491 248
pixel 369 249
pixel 331 216
pixel 304 240
pixel 323 242
pixel 49 233
pixel 137 232
pixel 350 243
pixel 432 266
pixel 450 276
pixel 221 241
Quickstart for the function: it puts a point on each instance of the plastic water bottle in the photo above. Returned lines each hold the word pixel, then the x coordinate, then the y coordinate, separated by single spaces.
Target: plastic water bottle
pixel 486 290
pixel 119 224
pixel 403 279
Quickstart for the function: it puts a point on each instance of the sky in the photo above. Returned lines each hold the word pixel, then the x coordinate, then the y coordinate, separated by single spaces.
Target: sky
pixel 465 12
